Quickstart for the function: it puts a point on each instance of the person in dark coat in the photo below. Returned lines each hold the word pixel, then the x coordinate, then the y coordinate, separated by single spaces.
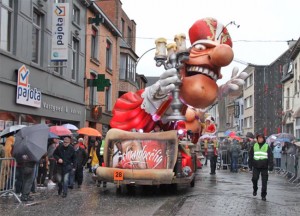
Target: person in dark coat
pixel 81 159
pixel 235 151
pixel 261 161
pixel 28 167
pixel 65 156
pixel 42 170
pixel 52 162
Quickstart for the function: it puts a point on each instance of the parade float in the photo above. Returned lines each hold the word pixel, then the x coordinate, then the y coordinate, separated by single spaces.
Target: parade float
pixel 133 153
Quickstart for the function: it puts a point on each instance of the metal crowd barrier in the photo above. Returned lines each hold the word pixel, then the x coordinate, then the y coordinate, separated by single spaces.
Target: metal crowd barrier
pixel 8 177
pixel 290 168
pixel 224 159
pixel 298 173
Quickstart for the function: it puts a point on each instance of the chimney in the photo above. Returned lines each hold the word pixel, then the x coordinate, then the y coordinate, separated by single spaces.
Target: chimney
pixel 291 43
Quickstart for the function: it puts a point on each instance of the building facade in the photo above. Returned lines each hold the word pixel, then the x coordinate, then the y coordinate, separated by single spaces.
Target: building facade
pixel 295 59
pixel 127 79
pixel 34 89
pixel 102 57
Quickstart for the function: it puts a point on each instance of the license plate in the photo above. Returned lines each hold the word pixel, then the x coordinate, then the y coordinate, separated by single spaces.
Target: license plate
pixel 119 175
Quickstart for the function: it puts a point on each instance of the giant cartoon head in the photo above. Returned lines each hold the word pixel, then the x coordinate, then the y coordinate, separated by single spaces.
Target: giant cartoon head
pixel 210 50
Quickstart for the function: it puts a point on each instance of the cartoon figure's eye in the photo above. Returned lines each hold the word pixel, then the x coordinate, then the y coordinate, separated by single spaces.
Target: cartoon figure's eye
pixel 200 47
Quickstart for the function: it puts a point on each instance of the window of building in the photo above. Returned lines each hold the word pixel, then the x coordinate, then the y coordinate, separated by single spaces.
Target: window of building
pixel 248 81
pixel 76 15
pixel 58 67
pixel 6 25
pixel 108 99
pixel 297 127
pixel 248 122
pixel 248 102
pixel 108 55
pixel 94 43
pixel 242 109
pixel 122 73
pixel 127 68
pixel 93 92
pixel 129 36
pixel 75 58
pixel 122 26
pixel 36 35
pixel 131 69
pixel 288 98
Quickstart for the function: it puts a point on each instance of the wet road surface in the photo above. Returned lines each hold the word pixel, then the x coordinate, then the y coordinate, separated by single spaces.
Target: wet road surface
pixel 222 194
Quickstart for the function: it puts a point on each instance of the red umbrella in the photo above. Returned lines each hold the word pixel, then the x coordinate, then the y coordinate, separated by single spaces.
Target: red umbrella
pixel 60 130
pixel 232 134
pixel 89 131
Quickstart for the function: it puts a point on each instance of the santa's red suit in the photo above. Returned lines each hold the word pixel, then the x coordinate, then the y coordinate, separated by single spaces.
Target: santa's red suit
pixel 128 114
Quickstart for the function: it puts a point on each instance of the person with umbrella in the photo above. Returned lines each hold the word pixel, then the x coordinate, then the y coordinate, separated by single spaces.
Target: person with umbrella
pixel 30 145
pixel 28 167
pixel 66 162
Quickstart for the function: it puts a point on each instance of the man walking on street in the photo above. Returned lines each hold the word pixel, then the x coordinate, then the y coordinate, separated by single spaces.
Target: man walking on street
pixel 66 162
pixel 261 160
pixel 81 159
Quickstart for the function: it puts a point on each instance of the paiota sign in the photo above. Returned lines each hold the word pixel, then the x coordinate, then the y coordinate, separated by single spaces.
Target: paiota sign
pixel 25 94
pixel 60 32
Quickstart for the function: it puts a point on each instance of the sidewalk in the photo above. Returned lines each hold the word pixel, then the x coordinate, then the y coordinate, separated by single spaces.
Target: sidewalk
pixel 229 193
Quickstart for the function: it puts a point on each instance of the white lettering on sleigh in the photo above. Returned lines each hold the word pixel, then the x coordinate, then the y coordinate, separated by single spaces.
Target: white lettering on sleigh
pixel 140 156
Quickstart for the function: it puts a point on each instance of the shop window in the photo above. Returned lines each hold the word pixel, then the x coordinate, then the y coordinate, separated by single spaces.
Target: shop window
pixel 6 18
pixel 36 35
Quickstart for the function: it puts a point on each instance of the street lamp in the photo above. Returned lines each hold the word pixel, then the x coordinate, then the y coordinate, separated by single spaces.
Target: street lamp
pixel 143 55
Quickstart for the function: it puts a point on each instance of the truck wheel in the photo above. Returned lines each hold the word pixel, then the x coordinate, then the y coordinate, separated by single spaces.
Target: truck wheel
pixel 174 186
pixel 192 182
pixel 118 189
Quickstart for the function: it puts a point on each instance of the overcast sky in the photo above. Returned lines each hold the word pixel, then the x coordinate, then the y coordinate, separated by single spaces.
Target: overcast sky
pixel 265 27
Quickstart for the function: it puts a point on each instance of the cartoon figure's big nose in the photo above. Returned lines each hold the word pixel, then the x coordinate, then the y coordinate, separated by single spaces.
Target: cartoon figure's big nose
pixel 221 55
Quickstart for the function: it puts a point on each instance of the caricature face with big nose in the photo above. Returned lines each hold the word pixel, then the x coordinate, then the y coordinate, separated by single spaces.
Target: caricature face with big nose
pixel 201 72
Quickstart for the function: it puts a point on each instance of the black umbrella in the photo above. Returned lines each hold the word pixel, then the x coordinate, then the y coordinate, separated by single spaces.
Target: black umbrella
pixel 11 130
pixel 31 141
pixel 250 135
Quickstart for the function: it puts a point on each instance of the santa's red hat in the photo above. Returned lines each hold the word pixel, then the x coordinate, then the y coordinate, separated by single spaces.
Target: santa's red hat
pixel 209 31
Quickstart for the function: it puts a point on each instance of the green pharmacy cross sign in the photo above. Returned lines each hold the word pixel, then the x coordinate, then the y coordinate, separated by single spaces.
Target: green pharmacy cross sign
pixel 100 82
pixel 97 20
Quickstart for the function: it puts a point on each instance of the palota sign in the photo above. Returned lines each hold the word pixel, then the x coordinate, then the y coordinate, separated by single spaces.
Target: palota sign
pixel 25 94
pixel 60 32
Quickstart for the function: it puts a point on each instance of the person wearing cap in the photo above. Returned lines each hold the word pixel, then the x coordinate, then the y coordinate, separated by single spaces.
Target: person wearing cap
pixel 80 143
pixel 66 162
pixel 260 161
pixel 81 159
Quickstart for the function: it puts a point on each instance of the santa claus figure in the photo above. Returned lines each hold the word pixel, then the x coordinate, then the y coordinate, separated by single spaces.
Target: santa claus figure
pixel 210 127
pixel 211 49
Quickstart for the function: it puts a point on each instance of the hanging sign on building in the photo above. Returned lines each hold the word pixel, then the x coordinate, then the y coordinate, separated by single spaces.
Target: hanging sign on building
pixel 26 95
pixel 60 32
